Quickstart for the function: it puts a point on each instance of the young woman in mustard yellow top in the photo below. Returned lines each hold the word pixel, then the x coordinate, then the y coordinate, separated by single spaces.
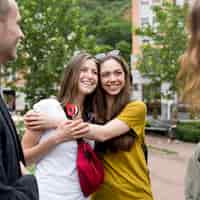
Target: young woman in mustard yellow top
pixel 122 135
pixel 121 138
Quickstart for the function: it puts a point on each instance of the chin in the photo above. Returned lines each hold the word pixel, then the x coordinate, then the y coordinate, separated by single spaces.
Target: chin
pixel 113 93
pixel 88 92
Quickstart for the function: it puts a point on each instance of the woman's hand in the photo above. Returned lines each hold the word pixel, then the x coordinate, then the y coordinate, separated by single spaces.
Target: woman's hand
pixel 37 121
pixel 71 130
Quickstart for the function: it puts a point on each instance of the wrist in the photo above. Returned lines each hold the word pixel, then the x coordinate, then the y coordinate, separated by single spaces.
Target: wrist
pixel 55 123
pixel 55 139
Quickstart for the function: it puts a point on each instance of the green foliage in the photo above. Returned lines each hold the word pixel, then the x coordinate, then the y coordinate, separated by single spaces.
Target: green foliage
pixel 105 20
pixel 160 59
pixel 55 29
pixel 53 32
pixel 20 128
pixel 188 131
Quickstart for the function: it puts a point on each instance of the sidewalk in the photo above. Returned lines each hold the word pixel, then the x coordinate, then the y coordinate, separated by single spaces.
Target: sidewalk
pixel 167 164
pixel 183 149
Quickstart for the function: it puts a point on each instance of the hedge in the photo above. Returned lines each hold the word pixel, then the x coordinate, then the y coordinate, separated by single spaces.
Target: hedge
pixel 188 131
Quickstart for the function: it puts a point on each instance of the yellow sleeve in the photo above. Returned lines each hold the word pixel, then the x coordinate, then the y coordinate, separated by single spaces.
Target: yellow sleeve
pixel 134 114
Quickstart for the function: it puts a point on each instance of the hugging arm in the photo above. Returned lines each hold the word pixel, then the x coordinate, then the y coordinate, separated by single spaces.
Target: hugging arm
pixel 105 132
pixel 35 150
pixel 131 117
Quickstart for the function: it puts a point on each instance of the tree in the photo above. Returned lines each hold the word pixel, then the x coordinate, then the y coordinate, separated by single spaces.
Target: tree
pixel 167 41
pixel 105 20
pixel 53 32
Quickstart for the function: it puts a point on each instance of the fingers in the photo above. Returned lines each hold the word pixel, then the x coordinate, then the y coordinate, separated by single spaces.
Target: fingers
pixel 31 119
pixel 80 130
pixel 33 125
pixel 37 120
pixel 80 133
pixel 79 126
pixel 31 115
pixel 74 128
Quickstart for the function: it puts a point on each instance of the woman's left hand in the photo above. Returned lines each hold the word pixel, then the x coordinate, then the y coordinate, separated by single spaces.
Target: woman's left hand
pixel 37 121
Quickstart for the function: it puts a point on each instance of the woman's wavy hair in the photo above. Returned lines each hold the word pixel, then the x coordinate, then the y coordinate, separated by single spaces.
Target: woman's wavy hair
pixel 123 142
pixel 69 84
pixel 188 77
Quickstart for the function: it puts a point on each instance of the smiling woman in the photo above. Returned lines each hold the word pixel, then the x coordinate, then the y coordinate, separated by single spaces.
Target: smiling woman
pixel 112 77
pixel 51 150
pixel 122 137
pixel 88 77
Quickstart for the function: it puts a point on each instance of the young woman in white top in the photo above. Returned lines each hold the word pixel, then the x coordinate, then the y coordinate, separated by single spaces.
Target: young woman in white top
pixel 51 150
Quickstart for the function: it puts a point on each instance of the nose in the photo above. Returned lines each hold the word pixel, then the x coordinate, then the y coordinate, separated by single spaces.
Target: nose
pixel 90 74
pixel 112 77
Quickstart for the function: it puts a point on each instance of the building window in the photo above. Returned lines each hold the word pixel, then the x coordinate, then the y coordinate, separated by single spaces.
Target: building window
pixel 144 21
pixel 156 2
pixel 135 87
pixel 145 40
pixel 144 2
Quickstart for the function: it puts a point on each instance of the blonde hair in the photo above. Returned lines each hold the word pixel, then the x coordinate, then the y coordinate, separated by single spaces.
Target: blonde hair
pixel 188 76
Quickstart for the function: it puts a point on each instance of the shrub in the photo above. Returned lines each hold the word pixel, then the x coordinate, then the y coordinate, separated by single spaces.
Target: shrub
pixel 20 128
pixel 188 131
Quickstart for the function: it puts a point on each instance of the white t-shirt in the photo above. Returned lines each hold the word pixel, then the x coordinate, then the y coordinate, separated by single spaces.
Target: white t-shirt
pixel 56 172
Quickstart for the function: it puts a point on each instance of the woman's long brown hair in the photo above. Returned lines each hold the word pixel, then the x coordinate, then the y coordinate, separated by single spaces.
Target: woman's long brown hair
pixel 125 141
pixel 188 76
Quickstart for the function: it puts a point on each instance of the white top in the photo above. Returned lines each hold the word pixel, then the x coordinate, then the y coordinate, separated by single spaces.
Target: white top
pixel 56 172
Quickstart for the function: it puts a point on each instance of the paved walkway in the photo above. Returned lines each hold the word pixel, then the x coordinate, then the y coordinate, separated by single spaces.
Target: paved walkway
pixel 167 164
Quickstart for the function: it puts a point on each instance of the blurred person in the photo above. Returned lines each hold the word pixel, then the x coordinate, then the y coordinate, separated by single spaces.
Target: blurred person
pixel 189 87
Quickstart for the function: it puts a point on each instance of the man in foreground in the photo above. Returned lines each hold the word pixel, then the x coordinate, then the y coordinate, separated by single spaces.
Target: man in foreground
pixel 15 182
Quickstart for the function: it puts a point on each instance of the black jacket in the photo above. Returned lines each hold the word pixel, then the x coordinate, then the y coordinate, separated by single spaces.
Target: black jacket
pixel 13 186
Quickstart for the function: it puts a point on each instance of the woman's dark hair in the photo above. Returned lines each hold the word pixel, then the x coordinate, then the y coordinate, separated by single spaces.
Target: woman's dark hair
pixel 125 141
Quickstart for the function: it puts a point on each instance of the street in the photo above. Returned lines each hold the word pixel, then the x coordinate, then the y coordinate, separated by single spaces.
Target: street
pixel 167 164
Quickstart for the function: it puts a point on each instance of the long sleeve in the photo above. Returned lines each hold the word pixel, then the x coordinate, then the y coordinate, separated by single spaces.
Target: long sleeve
pixel 13 186
pixel 22 188
pixel 25 188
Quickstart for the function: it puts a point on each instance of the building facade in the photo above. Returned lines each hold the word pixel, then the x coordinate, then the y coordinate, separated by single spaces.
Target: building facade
pixel 142 15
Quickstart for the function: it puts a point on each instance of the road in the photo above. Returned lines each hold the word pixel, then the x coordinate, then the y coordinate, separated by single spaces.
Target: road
pixel 167 164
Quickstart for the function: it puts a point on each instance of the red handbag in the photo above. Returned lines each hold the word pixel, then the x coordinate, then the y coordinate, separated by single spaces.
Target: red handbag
pixel 90 168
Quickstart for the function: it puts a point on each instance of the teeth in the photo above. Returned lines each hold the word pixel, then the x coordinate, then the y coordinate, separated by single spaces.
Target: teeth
pixel 87 83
